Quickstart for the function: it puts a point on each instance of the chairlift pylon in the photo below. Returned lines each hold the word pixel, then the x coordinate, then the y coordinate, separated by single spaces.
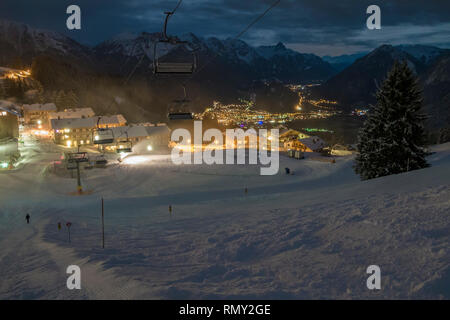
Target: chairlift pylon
pixel 73 158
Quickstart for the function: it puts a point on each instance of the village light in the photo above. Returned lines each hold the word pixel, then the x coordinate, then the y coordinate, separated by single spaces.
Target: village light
pixel 4 165
pixel 39 122
pixel 69 143
pixel 149 148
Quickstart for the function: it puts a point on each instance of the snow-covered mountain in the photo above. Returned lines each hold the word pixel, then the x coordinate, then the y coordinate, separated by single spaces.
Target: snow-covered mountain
pixel 292 64
pixel 263 62
pixel 357 83
pixel 19 44
pixel 425 54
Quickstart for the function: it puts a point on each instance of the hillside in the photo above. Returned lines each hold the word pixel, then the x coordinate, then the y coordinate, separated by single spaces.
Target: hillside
pixel 343 61
pixel 436 81
pixel 20 44
pixel 356 85
pixel 302 236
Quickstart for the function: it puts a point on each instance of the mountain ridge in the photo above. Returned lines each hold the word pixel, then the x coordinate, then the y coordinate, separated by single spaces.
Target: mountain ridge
pixel 356 85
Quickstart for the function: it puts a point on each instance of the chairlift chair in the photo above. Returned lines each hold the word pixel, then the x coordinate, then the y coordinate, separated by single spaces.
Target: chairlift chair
pixel 74 157
pixel 102 135
pixel 180 116
pixel 100 162
pixel 71 165
pixel 124 147
pixel 163 67
pixel 179 111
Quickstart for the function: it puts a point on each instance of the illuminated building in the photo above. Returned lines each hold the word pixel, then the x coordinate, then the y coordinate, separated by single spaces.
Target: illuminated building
pixel 73 113
pixel 37 116
pixel 79 130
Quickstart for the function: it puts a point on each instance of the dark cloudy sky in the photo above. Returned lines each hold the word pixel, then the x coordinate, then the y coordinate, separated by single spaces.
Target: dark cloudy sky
pixel 323 27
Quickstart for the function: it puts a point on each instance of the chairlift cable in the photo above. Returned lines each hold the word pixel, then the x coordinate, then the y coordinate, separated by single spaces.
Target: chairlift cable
pixel 129 75
pixel 240 34
pixel 134 70
pixel 178 4
pixel 128 57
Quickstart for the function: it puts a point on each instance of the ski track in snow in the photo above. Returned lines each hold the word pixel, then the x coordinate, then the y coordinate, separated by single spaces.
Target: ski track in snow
pixel 310 235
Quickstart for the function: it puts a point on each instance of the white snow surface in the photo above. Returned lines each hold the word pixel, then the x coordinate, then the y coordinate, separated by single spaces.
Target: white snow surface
pixel 302 236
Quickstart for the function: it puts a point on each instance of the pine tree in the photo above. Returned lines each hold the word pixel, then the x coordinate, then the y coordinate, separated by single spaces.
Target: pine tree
pixel 392 139
pixel 71 100
pixel 60 100
pixel 40 97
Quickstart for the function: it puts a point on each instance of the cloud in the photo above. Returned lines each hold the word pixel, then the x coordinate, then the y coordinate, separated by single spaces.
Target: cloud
pixel 320 26
pixel 438 34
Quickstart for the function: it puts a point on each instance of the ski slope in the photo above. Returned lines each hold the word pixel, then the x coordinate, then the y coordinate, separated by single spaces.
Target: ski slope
pixel 307 235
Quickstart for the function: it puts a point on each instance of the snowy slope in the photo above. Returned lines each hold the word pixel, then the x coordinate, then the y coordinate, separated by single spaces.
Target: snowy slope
pixel 307 235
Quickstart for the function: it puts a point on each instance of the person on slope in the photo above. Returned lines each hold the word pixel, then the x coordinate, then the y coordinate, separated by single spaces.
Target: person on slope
pixel 27 217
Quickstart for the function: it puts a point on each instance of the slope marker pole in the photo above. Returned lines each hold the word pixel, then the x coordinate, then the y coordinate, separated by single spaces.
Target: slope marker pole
pixel 103 225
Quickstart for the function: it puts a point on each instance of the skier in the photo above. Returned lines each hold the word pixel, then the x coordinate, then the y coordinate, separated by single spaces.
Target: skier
pixel 287 170
pixel 27 217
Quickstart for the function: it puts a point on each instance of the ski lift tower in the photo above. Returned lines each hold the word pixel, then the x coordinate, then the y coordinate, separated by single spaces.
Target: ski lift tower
pixel 73 162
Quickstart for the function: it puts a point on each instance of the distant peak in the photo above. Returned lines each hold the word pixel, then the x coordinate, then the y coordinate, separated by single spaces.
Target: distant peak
pixel 280 45
pixel 125 36
pixel 386 47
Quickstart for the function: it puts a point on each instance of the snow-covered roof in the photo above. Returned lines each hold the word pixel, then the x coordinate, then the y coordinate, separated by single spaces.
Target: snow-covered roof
pixel 313 143
pixel 286 131
pixel 74 123
pixel 73 113
pixel 115 119
pixel 130 132
pixel 157 130
pixel 39 107
pixel 10 107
